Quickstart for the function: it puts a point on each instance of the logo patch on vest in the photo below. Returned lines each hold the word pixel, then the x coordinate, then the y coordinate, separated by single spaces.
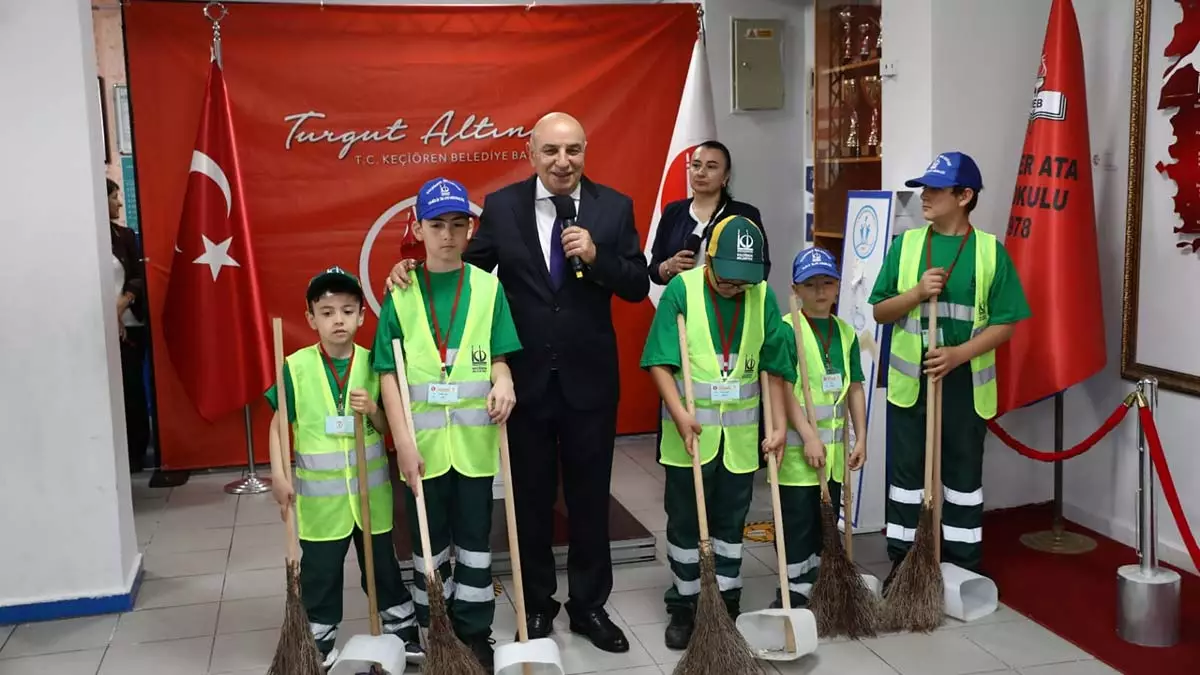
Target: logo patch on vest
pixel 750 364
pixel 479 359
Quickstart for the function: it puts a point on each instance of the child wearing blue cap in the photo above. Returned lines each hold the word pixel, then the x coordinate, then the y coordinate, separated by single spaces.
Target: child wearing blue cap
pixel 979 296
pixel 835 379
pixel 455 328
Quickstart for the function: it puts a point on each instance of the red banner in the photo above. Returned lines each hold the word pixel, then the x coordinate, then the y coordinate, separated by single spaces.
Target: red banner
pixel 342 112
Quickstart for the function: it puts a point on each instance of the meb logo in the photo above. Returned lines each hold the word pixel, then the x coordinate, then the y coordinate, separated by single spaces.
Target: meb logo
pixel 479 359
pixel 750 364
pixel 745 245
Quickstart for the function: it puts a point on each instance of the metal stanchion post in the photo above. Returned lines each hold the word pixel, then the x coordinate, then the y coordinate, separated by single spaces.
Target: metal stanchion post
pixel 1057 539
pixel 1147 595
pixel 251 483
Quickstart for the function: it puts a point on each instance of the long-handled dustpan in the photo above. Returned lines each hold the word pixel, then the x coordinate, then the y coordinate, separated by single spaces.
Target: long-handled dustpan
pixel 374 653
pixel 783 634
pixel 524 657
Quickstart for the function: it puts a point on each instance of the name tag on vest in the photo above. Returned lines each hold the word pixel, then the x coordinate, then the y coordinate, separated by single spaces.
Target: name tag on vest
pixel 831 383
pixel 925 337
pixel 339 425
pixel 441 393
pixel 726 392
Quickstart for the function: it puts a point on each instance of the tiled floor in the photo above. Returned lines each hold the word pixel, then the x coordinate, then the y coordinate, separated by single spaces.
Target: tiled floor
pixel 212 602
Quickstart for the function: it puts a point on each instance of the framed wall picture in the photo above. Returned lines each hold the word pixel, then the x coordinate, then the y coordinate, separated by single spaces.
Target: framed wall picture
pixel 124 130
pixel 1162 218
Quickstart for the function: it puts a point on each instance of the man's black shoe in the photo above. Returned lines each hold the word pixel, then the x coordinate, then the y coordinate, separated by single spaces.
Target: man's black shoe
pixel 597 627
pixel 679 630
pixel 539 624
pixel 481 646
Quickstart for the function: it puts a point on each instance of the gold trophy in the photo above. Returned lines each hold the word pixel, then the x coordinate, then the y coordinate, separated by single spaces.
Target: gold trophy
pixel 872 88
pixel 864 48
pixel 879 43
pixel 847 35
pixel 850 100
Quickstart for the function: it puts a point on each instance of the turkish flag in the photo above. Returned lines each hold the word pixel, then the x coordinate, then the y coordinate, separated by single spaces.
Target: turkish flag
pixel 1052 232
pixel 695 123
pixel 213 321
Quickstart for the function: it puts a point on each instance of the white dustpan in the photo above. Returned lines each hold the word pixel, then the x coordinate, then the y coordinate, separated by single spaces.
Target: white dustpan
pixel 535 657
pixel 768 631
pixel 363 652
pixel 524 657
pixel 969 596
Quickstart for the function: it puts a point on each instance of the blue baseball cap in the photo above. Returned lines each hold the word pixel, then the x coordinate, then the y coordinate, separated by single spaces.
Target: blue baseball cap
pixel 950 169
pixel 812 262
pixel 441 196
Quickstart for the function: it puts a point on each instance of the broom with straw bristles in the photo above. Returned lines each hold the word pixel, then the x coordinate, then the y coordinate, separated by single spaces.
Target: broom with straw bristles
pixel 840 599
pixel 296 653
pixel 716 647
pixel 915 601
pixel 447 654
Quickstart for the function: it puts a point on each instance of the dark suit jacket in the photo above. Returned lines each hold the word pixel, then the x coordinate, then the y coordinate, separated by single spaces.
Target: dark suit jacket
pixel 125 248
pixel 570 331
pixel 676 224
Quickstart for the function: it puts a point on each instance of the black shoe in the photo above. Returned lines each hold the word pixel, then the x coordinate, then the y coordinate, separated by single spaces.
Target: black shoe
pixel 679 630
pixel 887 583
pixel 600 629
pixel 539 624
pixel 414 653
pixel 481 646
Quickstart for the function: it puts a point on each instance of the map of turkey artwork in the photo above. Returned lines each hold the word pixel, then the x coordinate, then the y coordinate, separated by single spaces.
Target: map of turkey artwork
pixel 1181 92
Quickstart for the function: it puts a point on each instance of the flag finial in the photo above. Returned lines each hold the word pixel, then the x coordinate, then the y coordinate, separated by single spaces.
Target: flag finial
pixel 216 12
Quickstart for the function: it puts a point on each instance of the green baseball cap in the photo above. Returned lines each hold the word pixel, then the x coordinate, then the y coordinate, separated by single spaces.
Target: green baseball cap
pixel 736 249
pixel 334 280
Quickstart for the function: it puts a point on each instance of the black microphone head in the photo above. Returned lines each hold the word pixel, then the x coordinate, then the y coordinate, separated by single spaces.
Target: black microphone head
pixel 564 205
pixel 693 243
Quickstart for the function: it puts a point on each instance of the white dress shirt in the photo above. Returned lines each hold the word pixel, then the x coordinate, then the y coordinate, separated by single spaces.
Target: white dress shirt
pixel 546 215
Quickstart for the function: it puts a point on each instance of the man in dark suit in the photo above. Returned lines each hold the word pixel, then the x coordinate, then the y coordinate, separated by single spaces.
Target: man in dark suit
pixel 566 375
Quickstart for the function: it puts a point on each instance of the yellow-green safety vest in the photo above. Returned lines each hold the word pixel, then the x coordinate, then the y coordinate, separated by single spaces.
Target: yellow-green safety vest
pixel 904 364
pixel 830 410
pixel 327 502
pixel 735 420
pixel 459 435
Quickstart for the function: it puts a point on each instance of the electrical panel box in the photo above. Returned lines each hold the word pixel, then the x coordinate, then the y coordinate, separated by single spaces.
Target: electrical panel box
pixel 757 64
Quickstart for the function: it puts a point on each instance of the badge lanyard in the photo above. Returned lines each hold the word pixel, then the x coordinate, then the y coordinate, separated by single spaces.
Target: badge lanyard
pixel 929 252
pixel 341 382
pixel 825 341
pixel 443 340
pixel 726 337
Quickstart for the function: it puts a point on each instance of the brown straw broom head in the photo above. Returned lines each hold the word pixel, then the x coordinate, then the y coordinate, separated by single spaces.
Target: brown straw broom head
pixel 297 652
pixel 447 654
pixel 840 600
pixel 716 647
pixel 915 600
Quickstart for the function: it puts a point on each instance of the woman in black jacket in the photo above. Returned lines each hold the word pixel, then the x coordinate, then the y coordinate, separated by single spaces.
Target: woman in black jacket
pixel 708 176
pixel 130 281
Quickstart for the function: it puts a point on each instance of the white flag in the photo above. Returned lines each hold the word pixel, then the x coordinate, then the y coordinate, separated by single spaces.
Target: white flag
pixel 694 124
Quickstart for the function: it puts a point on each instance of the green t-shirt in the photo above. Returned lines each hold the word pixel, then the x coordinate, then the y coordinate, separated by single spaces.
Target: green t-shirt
pixel 833 360
pixel 341 365
pixel 441 297
pixel 662 344
pixel 1006 300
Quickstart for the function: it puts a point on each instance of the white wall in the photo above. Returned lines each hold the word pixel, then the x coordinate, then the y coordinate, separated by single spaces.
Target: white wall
pixel 65 492
pixel 983 61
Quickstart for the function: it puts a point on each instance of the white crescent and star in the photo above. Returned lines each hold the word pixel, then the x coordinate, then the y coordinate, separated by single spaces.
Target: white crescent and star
pixel 216 255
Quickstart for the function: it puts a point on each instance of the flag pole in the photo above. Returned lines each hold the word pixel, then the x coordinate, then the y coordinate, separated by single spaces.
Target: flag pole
pixel 1057 539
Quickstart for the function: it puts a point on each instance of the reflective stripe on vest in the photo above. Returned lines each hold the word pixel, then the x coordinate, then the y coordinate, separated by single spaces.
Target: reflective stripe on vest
pixel 735 421
pixel 830 409
pixel 457 435
pixel 327 502
pixel 904 362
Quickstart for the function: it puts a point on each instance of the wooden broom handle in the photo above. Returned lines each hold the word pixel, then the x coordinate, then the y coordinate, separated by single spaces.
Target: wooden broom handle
pixel 364 507
pixel 418 489
pixel 847 490
pixel 937 483
pixel 285 440
pixel 690 400
pixel 514 546
pixel 810 412
pixel 931 403
pixel 785 592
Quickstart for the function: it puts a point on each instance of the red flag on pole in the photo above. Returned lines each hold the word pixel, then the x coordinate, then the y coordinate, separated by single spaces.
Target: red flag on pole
pixel 1052 232
pixel 213 322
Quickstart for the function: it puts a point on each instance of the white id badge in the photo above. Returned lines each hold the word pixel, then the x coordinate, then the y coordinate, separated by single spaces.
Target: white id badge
pixel 831 383
pixel 726 392
pixel 339 425
pixel 441 393
pixel 925 337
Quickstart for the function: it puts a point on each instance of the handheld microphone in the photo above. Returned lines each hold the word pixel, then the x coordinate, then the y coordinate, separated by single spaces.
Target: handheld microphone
pixel 564 205
pixel 693 244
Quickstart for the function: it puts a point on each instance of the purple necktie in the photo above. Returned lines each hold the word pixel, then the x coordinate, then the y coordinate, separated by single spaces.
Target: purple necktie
pixel 558 260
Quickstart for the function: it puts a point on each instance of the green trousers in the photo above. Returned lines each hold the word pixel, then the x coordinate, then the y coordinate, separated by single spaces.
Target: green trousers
pixel 727 500
pixel 459 510
pixel 321 566
pixel 963 434
pixel 801 508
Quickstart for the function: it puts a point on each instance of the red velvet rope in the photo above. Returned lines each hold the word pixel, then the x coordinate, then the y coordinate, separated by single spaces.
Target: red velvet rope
pixel 1087 444
pixel 1168 484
